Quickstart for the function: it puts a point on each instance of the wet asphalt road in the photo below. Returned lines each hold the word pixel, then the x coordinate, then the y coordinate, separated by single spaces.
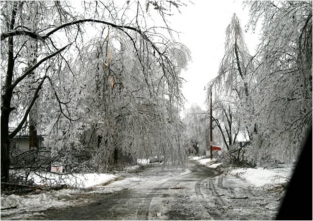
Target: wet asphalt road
pixel 168 194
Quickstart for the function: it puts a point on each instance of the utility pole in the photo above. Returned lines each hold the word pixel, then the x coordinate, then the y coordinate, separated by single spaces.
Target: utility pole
pixel 211 125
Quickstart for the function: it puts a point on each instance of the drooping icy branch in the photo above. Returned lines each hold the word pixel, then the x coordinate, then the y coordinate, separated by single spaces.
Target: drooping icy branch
pixel 43 37
pixel 31 69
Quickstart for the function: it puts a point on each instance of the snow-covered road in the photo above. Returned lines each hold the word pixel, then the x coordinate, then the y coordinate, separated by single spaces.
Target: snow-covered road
pixel 198 192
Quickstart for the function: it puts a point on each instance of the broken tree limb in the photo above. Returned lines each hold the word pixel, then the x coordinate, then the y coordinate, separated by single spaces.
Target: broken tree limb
pixel 7 208
pixel 240 198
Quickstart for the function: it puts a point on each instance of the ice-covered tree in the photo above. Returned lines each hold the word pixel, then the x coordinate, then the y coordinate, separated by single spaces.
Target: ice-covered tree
pixel 233 107
pixel 283 81
pixel 196 130
pixel 60 35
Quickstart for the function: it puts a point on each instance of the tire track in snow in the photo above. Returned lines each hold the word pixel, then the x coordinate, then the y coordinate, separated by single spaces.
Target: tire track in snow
pixel 216 192
pixel 143 212
pixel 201 198
pixel 234 201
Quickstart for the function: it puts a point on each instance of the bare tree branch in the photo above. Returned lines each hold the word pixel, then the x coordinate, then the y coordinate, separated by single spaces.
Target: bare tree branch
pixel 31 69
pixel 43 37
pixel 19 127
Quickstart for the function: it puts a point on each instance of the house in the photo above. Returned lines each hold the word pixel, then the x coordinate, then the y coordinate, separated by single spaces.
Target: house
pixel 20 143
pixel 242 138
pixel 21 155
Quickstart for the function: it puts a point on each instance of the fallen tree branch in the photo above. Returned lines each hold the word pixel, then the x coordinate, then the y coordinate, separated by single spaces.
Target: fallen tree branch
pixel 240 198
pixel 15 185
pixel 12 207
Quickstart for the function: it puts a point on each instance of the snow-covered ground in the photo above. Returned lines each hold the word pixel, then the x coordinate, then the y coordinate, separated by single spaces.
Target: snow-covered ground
pixel 203 160
pixel 23 206
pixel 259 177
pixel 72 180
pixel 88 185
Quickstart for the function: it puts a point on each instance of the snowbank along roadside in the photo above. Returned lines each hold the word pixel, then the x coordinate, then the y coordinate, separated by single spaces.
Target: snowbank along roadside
pixel 82 185
pixel 258 177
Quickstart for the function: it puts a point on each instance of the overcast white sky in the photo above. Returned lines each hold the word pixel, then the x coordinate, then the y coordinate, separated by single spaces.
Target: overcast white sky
pixel 203 28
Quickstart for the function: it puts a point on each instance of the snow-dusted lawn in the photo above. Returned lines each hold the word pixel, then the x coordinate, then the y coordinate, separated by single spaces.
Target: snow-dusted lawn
pixel 23 206
pixel 260 177
pixel 73 180
pixel 256 176
pixel 19 205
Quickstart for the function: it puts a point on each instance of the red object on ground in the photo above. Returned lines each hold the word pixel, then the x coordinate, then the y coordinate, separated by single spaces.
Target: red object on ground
pixel 216 148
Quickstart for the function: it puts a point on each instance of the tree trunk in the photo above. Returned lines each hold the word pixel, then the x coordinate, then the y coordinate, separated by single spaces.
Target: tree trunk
pixel 211 124
pixel 33 114
pixel 5 145
pixel 33 140
pixel 115 156
pixel 6 105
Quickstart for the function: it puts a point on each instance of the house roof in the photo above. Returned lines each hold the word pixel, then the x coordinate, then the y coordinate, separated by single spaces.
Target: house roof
pixel 242 136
